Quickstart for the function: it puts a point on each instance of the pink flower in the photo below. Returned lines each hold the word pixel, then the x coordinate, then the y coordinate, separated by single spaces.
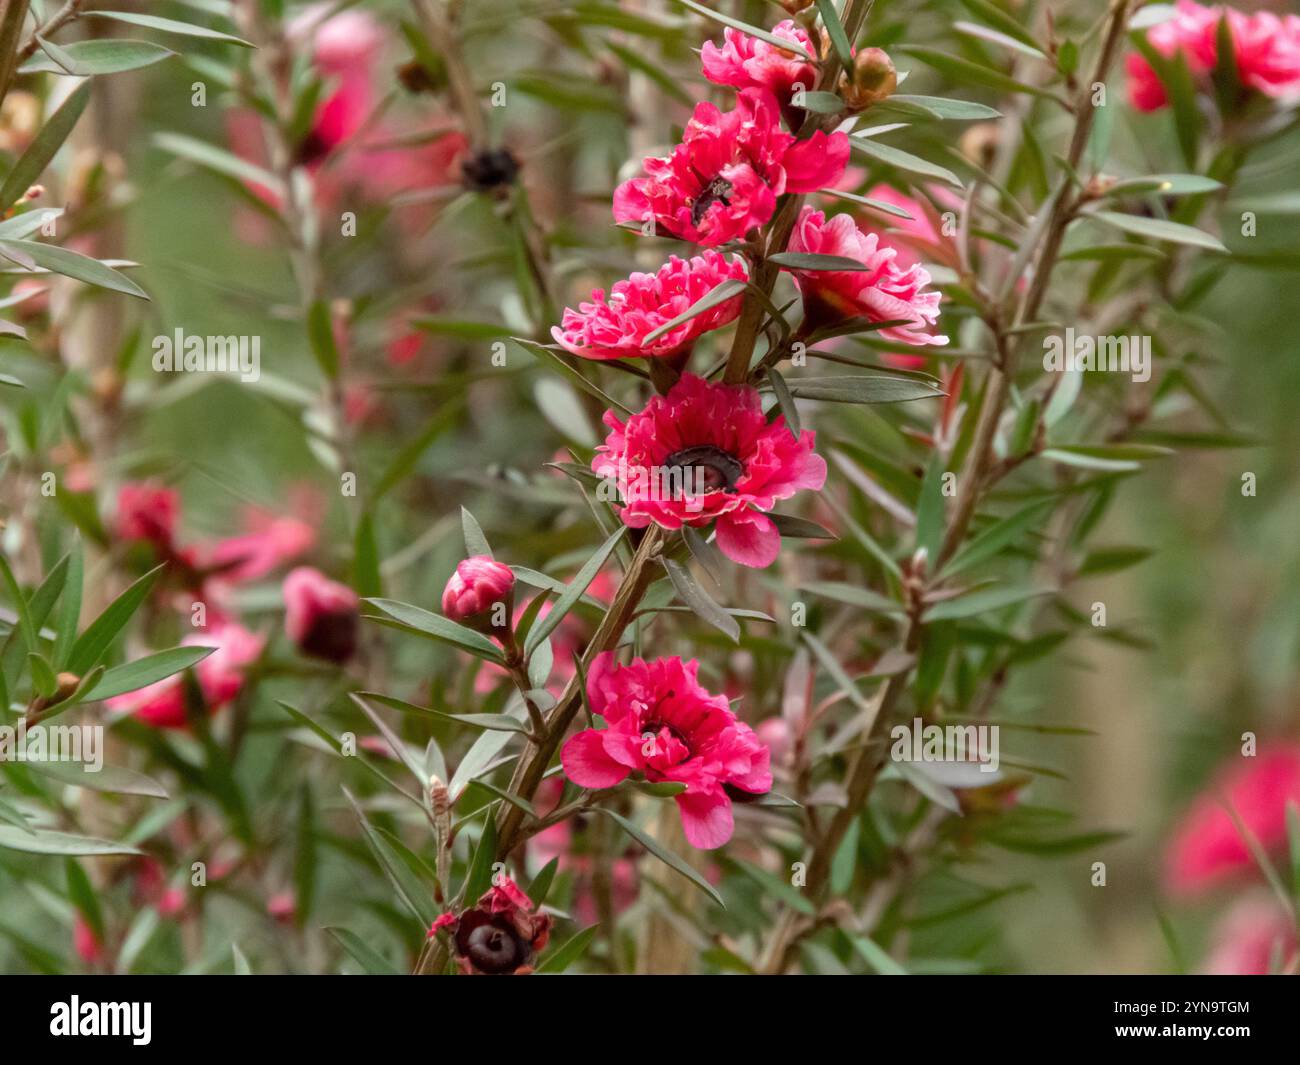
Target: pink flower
pixel 220 676
pixel 272 541
pixel 918 239
pixel 706 453
pixel 1206 848
pixel 147 511
pixel 883 292
pixel 320 615
pixel 1253 932
pixel 501 936
pixel 663 724
pixel 616 328
pixel 478 584
pixel 746 62
pixel 1266 49
pixel 725 176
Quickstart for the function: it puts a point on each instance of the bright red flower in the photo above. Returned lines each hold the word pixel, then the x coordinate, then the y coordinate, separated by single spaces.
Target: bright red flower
pixel 147 511
pixel 221 677
pixel 1206 848
pixel 664 724
pixel 707 453
pixel 724 177
pixel 475 587
pixel 1266 48
pixel 320 615
pixel 616 328
pixel 746 62
pixel 884 292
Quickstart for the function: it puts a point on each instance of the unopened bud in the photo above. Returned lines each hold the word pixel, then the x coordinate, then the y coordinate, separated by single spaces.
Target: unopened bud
pixel 979 143
pixel 795 6
pixel 873 79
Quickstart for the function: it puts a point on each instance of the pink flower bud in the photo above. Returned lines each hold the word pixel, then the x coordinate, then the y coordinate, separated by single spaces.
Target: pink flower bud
pixel 477 585
pixel 320 615
pixel 147 511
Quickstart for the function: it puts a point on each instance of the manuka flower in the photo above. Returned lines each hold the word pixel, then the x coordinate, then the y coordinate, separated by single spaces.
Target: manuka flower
pixel 501 936
pixel 320 615
pixel 663 724
pixel 1266 51
pixel 883 292
pixel 616 327
pixel 746 62
pixel 724 177
pixel 706 453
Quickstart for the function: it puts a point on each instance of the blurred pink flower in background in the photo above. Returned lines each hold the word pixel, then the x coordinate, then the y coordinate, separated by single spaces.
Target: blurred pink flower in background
pixel 1254 934
pixel 320 615
pixel 1266 50
pixel 723 179
pixel 1206 848
pixel 147 511
pixel 616 328
pixel 220 676
pixel 719 435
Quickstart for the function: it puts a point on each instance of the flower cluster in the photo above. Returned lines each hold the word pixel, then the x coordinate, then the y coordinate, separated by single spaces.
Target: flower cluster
pixel 1265 52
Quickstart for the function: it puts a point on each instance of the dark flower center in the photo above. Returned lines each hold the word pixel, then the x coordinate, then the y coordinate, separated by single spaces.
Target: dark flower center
pixel 332 636
pixel 716 191
pixel 490 169
pixel 708 466
pixel 495 950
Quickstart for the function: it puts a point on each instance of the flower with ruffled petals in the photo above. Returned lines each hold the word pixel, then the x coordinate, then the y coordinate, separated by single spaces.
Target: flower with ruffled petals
pixel 501 936
pixel 616 328
pixel 724 177
pixel 1266 52
pixel 665 725
pixel 1207 848
pixel 706 453
pixel 747 62
pixel 221 677
pixel 320 615
pixel 477 585
pixel 883 292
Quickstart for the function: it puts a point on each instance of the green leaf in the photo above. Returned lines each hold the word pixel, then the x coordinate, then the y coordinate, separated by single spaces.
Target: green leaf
pixel 95 641
pixel 876 957
pixel 972 29
pixel 799 528
pixel 901 160
pixel 70 608
pixel 495 722
pixel 219 161
pixel 997 536
pixel 1160 229
pixel 783 43
pixel 667 857
pixel 854 596
pixel 863 388
pixel 44 841
pixel 113 779
pixel 720 293
pixel 476 760
pixel 374 963
pixel 785 401
pixel 930 507
pixel 84 59
pixel 1000 20
pixel 1166 185
pixel 144 671
pixel 798 260
pixel 479 877
pixel 545 626
pixel 437 627
pixel 167 25
pixel 320 332
pixel 75 265
pixel 573 949
pixel 943 107
pixel 964 70
pixel 413 893
pixel 835 30
pixel 43 148
pixel 700 602
pixel 982 601
pixel 367 578
pixel 83 896
pixel 776 887
pixel 475 542
pixel 552 359
pixel 25 625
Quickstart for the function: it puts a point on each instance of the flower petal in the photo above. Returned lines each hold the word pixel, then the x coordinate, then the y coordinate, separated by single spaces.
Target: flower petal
pixel 706 818
pixel 749 537
pixel 586 763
